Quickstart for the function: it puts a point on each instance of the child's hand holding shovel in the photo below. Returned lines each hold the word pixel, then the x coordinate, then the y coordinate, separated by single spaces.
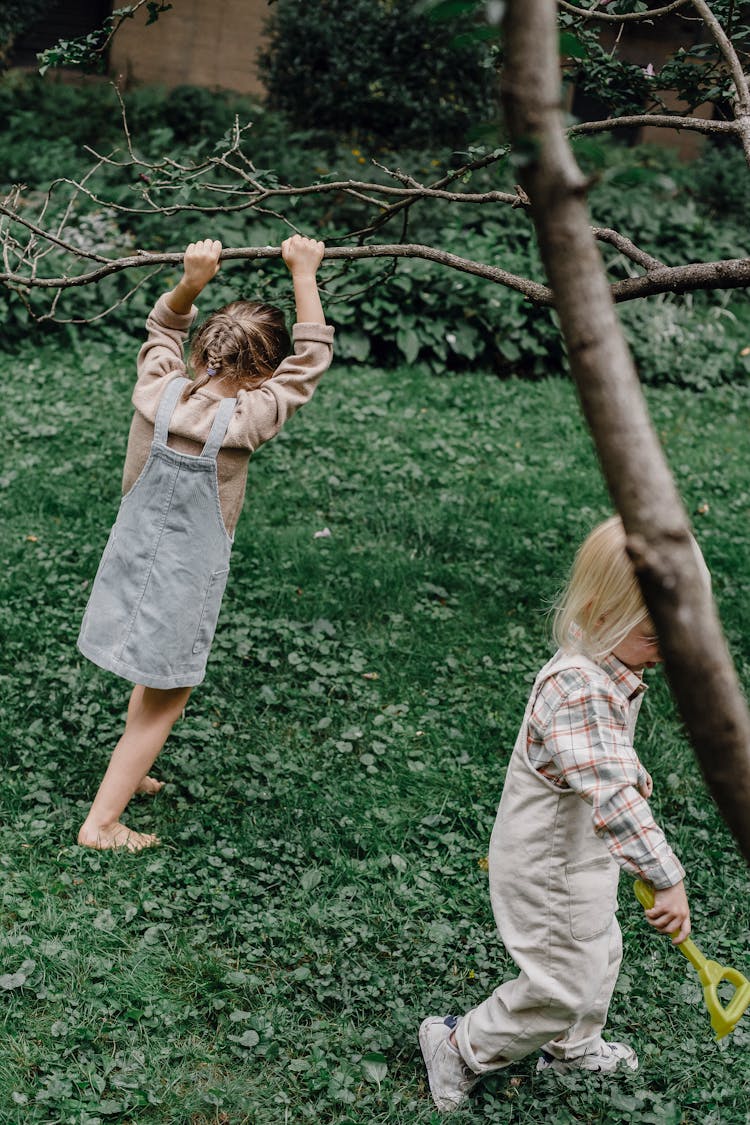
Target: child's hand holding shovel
pixel 670 913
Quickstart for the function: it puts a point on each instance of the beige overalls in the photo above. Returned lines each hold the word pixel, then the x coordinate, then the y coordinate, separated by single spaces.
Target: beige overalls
pixel 553 887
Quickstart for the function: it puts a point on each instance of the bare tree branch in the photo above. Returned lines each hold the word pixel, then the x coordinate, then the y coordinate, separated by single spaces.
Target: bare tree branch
pixel 731 273
pixel 739 79
pixel 626 17
pixel 731 58
pixel 627 248
pixel 48 236
pixel 697 662
pixel 540 294
pixel 259 194
pixel 229 182
pixel 655 121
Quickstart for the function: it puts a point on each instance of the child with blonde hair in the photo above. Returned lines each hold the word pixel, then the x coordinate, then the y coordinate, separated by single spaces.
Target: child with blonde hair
pixel 573 811
pixel 157 593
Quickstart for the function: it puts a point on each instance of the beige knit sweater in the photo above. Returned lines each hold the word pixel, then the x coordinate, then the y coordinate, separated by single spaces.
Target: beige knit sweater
pixel 258 416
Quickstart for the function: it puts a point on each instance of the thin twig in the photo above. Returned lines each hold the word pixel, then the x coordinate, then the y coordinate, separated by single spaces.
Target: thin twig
pixel 626 17
pixel 97 316
pixel 76 251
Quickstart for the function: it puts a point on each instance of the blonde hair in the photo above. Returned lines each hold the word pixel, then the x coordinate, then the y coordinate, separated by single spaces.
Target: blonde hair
pixel 602 601
pixel 244 341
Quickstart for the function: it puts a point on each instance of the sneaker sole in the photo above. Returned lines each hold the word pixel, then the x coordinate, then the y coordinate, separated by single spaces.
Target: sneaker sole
pixel 631 1065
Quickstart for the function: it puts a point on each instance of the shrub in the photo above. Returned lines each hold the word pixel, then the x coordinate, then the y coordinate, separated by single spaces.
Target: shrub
pixel 721 183
pixel 373 68
pixel 686 343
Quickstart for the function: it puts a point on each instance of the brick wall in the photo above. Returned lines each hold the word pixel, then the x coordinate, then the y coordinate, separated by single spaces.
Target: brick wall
pixel 211 43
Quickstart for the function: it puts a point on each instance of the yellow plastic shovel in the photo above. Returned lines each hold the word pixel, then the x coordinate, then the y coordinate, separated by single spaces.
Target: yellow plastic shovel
pixel 724 1017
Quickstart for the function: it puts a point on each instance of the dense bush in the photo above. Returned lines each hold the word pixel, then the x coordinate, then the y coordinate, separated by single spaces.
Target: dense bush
pixel 722 184
pixel 34 110
pixel 389 312
pixel 411 82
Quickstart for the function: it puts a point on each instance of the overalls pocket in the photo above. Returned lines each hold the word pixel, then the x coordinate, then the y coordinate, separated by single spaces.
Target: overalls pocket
pixel 592 895
pixel 210 613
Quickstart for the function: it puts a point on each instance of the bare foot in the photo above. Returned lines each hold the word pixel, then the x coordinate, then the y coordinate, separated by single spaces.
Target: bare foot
pixel 149 786
pixel 115 836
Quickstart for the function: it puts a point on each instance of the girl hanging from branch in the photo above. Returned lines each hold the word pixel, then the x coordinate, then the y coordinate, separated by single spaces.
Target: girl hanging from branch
pixel 157 593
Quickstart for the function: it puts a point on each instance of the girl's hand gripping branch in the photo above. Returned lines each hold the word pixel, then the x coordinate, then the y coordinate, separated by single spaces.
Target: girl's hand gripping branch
pixel 303 256
pixel 670 913
pixel 200 264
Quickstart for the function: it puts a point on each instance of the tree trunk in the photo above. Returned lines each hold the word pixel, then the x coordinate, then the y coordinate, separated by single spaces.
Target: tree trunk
pixel 696 659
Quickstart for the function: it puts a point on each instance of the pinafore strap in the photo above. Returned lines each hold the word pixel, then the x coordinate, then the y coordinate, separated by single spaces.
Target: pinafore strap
pixel 219 428
pixel 166 408
pixel 167 404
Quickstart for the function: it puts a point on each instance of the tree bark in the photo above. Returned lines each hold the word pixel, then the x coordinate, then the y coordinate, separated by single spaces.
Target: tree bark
pixel 696 659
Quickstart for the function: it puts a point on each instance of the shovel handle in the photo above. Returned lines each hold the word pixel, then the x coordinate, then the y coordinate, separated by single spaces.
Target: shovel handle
pixel 644 892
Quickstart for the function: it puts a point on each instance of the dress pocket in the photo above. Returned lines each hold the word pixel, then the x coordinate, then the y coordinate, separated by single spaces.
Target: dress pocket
pixel 592 894
pixel 210 613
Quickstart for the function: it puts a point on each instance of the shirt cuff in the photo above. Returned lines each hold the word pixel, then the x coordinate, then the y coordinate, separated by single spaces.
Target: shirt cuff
pixel 666 874
pixel 317 333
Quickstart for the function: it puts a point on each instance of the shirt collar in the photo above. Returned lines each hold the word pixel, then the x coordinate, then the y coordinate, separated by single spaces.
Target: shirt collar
pixel 630 683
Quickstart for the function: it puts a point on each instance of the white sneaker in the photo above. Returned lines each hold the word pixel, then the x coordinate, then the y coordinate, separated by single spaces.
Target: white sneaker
pixel 605 1058
pixel 449 1077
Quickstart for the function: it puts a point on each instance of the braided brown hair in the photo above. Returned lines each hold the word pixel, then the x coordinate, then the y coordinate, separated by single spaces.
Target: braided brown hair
pixel 244 341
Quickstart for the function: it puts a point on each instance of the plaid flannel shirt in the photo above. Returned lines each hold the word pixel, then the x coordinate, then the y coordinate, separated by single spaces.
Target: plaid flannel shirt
pixel 580 737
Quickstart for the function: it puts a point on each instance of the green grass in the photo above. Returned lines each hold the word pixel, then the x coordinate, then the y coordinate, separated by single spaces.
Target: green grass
pixel 332 788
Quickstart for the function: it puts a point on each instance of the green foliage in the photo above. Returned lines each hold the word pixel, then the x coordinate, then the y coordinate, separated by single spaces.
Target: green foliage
pixel 332 787
pixel 88 51
pixel 454 321
pixel 451 320
pixel 32 107
pixel 693 75
pixel 375 69
pixel 688 344
pixel 594 65
pixel 720 180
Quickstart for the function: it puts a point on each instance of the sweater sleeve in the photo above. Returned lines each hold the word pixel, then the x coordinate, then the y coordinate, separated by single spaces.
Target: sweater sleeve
pixel 259 414
pixel 262 412
pixel 161 355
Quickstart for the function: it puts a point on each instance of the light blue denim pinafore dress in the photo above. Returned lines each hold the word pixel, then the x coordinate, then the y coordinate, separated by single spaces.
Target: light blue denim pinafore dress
pixel 157 593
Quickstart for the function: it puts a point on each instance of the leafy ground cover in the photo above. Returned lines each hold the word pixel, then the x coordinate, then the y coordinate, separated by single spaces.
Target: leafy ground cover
pixel 321 886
